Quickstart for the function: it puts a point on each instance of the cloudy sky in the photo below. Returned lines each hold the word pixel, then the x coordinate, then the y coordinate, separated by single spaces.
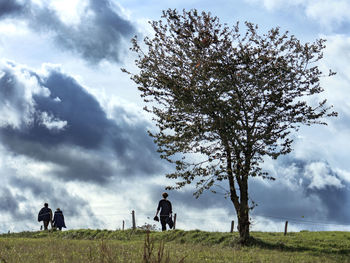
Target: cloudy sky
pixel 73 132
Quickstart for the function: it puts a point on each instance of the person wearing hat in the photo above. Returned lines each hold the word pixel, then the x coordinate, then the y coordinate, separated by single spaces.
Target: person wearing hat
pixel 165 209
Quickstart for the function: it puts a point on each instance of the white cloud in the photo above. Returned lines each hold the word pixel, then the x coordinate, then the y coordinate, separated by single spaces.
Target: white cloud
pixel 345 175
pixel 51 122
pixel 13 28
pixel 18 87
pixel 320 176
pixel 276 4
pixel 69 11
pixel 328 13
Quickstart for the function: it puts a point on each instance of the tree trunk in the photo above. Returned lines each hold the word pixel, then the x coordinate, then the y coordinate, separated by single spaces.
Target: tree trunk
pixel 243 226
pixel 243 213
pixel 242 208
pixel 240 202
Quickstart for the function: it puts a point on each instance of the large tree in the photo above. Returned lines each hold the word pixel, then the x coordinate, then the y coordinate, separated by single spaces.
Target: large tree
pixel 223 100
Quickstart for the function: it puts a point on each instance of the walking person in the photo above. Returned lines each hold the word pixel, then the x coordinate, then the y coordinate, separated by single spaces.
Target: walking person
pixel 45 215
pixel 166 211
pixel 58 219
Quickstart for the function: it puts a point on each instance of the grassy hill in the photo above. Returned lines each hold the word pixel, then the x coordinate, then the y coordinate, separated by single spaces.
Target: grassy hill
pixel 87 245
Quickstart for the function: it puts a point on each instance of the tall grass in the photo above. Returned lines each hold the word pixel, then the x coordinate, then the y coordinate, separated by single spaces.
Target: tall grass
pixel 172 246
pixel 150 257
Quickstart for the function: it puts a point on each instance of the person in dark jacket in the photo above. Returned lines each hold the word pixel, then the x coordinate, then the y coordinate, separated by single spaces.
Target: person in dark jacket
pixel 45 215
pixel 166 210
pixel 58 219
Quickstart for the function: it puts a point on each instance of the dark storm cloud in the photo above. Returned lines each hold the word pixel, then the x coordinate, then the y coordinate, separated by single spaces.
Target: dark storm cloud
pixel 336 201
pixel 9 94
pixel 98 35
pixel 10 8
pixel 56 196
pixel 10 208
pixel 298 198
pixel 72 163
pixel 279 200
pixel 10 202
pixel 89 146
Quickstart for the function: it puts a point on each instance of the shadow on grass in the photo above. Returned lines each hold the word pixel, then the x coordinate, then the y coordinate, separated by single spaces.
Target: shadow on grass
pixel 256 242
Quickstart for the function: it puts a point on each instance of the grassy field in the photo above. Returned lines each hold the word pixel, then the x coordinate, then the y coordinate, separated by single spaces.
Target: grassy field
pixel 172 246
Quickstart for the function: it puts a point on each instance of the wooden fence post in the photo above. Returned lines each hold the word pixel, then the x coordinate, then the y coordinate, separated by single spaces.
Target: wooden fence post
pixel 285 228
pixel 174 221
pixel 123 225
pixel 133 219
pixel 232 225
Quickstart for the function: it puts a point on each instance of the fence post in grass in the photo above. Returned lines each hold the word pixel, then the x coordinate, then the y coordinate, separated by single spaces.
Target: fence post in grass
pixel 174 221
pixel 133 219
pixel 232 225
pixel 285 228
pixel 123 225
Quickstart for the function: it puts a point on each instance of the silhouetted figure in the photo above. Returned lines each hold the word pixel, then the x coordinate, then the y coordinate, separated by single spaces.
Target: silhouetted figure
pixel 45 215
pixel 58 219
pixel 165 212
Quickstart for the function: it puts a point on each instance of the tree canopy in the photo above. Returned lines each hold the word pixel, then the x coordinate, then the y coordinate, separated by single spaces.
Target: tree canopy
pixel 224 99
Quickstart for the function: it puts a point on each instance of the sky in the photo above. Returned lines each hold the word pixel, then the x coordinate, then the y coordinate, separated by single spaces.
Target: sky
pixel 73 132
